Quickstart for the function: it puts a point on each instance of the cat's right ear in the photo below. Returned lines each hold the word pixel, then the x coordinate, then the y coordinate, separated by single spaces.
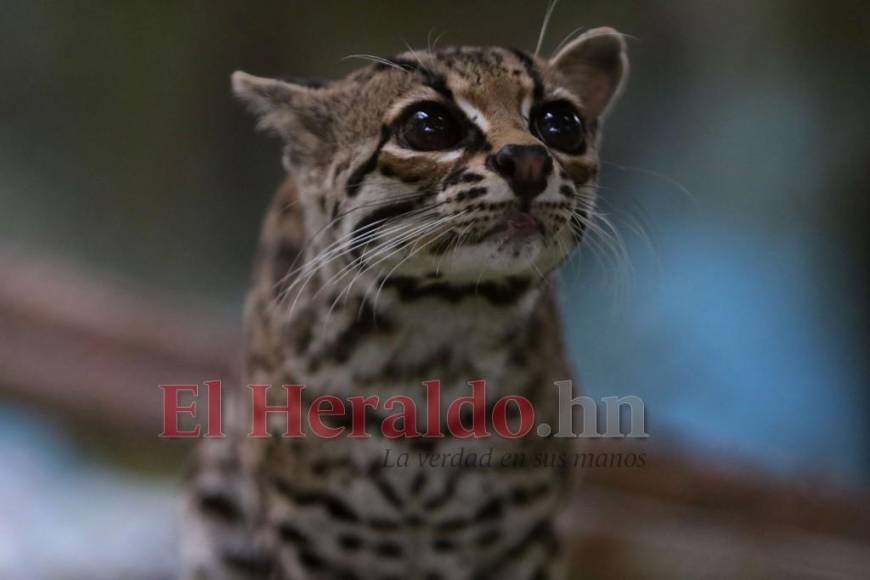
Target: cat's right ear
pixel 295 112
pixel 595 67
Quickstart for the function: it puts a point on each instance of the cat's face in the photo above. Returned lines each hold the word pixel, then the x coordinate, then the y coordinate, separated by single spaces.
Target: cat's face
pixel 458 164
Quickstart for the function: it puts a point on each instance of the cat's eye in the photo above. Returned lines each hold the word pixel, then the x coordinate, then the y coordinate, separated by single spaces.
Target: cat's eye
pixel 430 127
pixel 559 126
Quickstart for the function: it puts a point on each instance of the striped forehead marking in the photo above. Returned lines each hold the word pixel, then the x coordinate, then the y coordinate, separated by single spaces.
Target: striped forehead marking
pixel 474 114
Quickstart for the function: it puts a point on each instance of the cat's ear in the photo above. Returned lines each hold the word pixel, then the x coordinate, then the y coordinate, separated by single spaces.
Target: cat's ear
pixel 299 114
pixel 595 66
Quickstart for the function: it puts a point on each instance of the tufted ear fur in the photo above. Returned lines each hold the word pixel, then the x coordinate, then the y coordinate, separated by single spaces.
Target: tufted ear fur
pixel 299 114
pixel 596 67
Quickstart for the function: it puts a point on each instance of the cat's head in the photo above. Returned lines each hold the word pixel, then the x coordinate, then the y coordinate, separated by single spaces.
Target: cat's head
pixel 450 164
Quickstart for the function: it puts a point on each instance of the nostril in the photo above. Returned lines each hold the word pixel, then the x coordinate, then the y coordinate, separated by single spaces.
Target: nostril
pixel 504 161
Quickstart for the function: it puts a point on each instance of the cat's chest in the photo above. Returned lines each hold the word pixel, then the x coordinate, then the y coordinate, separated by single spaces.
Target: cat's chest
pixel 400 509
pixel 394 349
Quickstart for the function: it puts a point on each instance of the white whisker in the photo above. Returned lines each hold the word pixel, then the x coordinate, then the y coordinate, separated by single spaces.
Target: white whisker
pixel 547 15
pixel 376 59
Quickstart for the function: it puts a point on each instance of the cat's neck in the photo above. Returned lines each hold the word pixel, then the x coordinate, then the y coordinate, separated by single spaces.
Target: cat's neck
pixel 409 330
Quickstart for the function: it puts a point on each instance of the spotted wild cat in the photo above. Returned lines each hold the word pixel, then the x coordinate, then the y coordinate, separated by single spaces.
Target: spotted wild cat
pixel 429 199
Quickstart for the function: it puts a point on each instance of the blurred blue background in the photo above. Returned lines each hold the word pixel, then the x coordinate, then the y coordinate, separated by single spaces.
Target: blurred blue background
pixel 736 175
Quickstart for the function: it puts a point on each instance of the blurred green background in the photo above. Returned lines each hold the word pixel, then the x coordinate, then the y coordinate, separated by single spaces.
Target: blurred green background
pixel 740 148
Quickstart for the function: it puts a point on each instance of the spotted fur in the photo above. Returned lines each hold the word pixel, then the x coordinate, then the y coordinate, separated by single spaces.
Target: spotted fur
pixel 380 267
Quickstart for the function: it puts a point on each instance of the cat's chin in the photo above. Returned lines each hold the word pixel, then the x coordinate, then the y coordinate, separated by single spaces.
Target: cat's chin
pixel 505 254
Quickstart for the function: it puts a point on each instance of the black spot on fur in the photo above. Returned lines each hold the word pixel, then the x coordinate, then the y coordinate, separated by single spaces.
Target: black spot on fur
pixel 334 506
pixel 367 322
pixel 388 491
pixel 472 193
pixel 350 542
pixel 452 524
pixel 461 175
pixel 381 217
pixel 383 524
pixel 423 445
pixel 446 494
pixel 291 534
pixel 579 225
pixel 338 509
pixel 418 483
pixel 430 78
pixel 284 256
pixel 488 538
pixel 538 492
pixel 255 361
pixel 311 560
pixel 306 82
pixel 498 293
pixel 493 509
pixel 521 496
pixel 433 80
pixel 475 141
pixel 541 533
pixel 443 545
pixel 220 506
pixel 299 333
pixel 532 71
pixel 453 178
pixel 389 550
pixel 320 468
pixel 250 561
pixel 402 370
pixel 359 174
pixel 392 172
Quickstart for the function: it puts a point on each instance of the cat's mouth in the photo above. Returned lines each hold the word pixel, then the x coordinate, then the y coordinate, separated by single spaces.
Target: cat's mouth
pixel 517 225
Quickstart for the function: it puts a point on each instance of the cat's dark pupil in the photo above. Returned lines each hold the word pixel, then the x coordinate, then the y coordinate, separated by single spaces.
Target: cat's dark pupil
pixel 559 126
pixel 431 128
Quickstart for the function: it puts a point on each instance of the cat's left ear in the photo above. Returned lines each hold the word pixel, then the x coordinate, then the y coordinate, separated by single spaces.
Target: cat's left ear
pixel 297 113
pixel 595 65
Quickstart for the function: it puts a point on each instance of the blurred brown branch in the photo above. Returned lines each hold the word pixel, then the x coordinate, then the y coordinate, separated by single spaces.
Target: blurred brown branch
pixel 97 352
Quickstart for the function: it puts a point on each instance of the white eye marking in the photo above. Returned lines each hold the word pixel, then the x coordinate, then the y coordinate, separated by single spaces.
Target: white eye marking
pixel 474 114
pixel 559 92
pixel 440 157
pixel 449 156
pixel 399 152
